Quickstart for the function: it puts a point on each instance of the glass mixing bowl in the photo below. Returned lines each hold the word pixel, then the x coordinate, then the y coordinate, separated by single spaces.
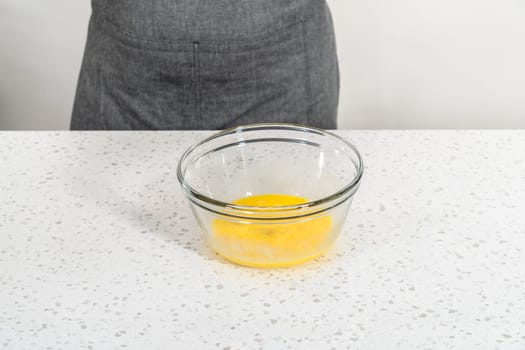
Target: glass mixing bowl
pixel 271 195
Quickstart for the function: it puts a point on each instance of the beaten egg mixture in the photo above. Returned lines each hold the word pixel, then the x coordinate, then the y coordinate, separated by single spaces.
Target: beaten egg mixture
pixel 275 243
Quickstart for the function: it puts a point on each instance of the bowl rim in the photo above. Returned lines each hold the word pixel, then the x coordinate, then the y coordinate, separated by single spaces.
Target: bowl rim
pixel 192 194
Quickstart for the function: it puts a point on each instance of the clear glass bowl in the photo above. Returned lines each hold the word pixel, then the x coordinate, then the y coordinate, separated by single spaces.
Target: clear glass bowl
pixel 271 195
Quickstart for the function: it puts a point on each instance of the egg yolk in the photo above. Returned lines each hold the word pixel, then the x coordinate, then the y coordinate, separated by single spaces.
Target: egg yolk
pixel 271 243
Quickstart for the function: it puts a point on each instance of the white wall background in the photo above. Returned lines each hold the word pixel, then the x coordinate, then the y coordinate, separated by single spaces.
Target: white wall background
pixel 404 64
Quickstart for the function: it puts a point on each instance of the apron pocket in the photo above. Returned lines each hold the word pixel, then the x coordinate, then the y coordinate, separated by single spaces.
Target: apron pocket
pixel 145 88
pixel 264 80
pixel 187 85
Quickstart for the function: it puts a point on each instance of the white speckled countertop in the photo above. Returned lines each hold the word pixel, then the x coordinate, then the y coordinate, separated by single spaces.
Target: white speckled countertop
pixel 99 250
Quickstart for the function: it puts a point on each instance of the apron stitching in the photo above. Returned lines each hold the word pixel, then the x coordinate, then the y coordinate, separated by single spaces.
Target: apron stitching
pixel 115 32
pixel 308 78
pixel 196 85
pixel 100 96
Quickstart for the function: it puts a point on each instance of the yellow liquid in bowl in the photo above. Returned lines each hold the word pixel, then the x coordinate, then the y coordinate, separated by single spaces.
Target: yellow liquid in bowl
pixel 267 243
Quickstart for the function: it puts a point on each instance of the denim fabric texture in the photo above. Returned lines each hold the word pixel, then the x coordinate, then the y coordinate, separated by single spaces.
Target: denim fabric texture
pixel 207 64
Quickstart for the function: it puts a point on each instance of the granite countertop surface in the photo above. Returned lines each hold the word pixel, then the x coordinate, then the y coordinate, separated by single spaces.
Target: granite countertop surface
pixel 99 250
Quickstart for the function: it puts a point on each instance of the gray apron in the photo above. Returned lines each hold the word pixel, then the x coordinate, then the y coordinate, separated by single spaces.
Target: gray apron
pixel 207 64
